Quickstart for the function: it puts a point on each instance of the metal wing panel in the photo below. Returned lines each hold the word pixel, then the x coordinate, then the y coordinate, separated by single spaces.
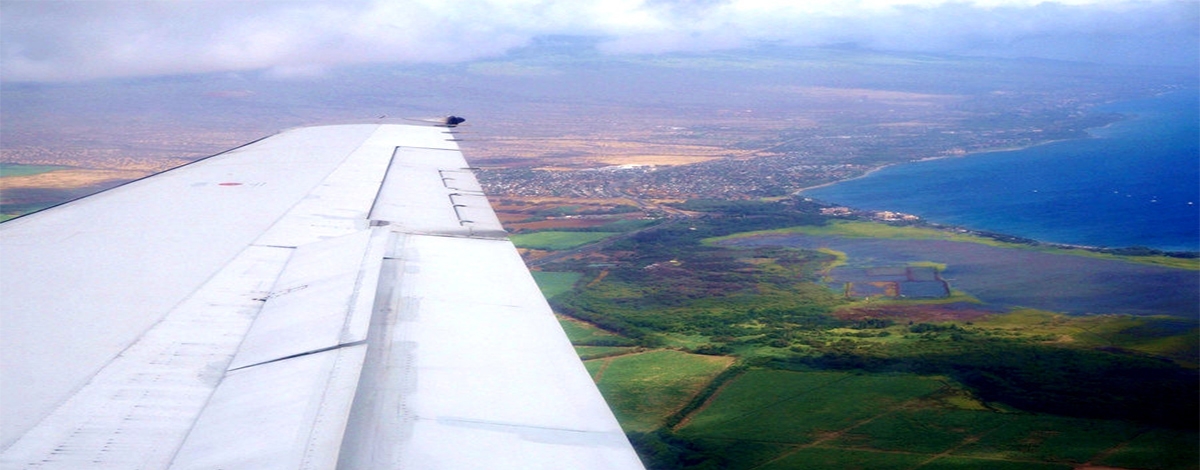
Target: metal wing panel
pixel 428 137
pixel 476 318
pixel 347 293
pixel 478 367
pixel 137 410
pixel 281 415
pixel 84 280
pixel 341 203
pixel 315 304
pixel 425 192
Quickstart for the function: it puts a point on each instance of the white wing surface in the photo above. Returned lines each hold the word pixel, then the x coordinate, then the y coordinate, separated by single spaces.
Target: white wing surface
pixel 328 297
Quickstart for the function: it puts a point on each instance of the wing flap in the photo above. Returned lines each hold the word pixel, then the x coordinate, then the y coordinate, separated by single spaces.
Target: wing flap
pixel 322 300
pixel 288 414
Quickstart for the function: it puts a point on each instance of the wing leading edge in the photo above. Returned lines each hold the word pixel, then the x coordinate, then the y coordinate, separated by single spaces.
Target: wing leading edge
pixel 329 297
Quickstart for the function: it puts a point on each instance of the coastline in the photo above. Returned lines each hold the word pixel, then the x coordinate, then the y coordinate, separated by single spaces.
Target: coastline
pixel 831 183
pixel 1015 148
pixel 1128 246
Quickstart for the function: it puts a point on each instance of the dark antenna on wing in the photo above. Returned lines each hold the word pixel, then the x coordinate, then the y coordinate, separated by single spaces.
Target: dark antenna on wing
pixel 448 121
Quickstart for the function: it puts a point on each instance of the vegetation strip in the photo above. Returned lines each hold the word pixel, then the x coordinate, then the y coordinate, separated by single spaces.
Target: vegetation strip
pixel 861 229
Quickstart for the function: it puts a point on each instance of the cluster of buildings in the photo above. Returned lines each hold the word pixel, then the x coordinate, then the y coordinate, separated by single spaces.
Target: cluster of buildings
pixel 725 179
pixel 885 216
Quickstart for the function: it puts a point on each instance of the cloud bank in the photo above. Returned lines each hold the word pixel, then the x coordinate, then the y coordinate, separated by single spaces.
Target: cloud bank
pixel 54 40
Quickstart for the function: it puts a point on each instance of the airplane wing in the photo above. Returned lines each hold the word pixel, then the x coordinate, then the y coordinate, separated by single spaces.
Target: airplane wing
pixel 327 297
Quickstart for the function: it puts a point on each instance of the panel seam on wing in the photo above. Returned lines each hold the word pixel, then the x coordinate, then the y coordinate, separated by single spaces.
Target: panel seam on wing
pixel 306 353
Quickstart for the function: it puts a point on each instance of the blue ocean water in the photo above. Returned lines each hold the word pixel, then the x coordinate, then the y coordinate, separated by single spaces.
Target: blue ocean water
pixel 1133 183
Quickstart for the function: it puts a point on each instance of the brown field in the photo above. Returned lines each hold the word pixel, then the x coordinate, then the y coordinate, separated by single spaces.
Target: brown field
pixel 530 213
pixel 531 254
pixel 68 179
pixel 591 152
pixel 656 160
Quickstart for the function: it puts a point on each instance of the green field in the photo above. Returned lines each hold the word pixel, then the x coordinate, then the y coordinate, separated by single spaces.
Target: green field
pixel 554 283
pixel 643 389
pixel 597 352
pixel 921 429
pixel 1049 438
pixel 17 169
pixel 817 457
pixel 557 240
pixel 858 229
pixel 583 334
pixel 626 225
pixel 958 463
pixel 801 407
pixel 1171 337
pixel 849 420
pixel 1156 449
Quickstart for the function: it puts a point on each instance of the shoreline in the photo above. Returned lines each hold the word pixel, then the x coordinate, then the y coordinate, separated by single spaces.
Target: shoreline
pixel 1186 253
pixel 831 183
pixel 1015 148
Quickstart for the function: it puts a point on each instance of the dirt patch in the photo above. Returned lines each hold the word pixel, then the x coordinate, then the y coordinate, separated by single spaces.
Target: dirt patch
pixel 603 366
pixel 653 160
pixel 916 313
pixel 68 179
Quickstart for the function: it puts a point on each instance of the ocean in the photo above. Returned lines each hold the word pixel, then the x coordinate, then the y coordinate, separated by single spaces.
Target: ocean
pixel 1133 183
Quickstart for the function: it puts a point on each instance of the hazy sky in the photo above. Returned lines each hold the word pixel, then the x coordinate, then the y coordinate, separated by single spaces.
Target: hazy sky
pixel 49 40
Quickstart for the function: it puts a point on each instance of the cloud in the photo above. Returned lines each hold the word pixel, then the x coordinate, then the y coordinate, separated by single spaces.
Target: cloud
pixel 54 40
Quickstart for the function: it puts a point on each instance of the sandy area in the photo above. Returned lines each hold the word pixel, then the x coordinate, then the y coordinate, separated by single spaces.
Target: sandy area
pixel 659 160
pixel 67 179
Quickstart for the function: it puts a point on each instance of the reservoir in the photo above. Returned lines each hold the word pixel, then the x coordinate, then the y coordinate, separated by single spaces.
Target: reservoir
pixel 1133 183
